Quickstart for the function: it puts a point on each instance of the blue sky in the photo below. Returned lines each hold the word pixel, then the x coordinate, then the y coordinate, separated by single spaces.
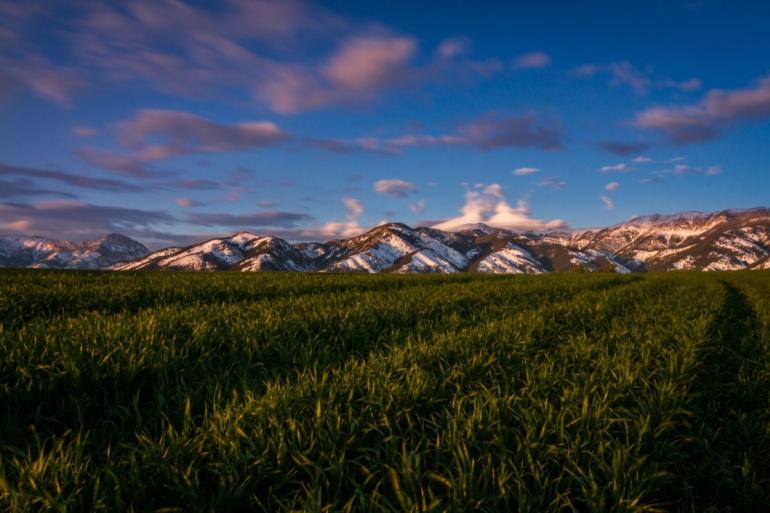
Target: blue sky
pixel 172 121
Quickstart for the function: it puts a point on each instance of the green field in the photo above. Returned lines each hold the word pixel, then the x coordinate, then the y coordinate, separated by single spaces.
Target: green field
pixel 280 392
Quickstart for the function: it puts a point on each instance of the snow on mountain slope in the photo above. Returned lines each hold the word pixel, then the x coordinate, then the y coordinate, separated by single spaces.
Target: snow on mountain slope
pixel 510 260
pixel 398 248
pixel 40 252
pixel 726 240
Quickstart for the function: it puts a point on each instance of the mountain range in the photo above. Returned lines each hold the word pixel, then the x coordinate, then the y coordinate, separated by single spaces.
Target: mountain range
pixel 725 240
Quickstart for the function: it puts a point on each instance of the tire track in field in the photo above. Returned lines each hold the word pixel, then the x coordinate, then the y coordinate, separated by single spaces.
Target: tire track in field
pixel 730 403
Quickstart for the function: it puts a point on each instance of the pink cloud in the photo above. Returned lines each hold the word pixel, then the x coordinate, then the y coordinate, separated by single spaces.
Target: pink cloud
pixel 83 131
pixel 532 60
pixel 363 64
pixel 188 203
pixel 183 133
pixel 394 187
pixel 703 120
pixel 154 135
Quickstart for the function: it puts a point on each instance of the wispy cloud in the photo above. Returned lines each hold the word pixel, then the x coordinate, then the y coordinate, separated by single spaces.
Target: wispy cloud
pixel 612 186
pixel 188 202
pixel 640 81
pixel 524 171
pixel 84 131
pixel 77 219
pixel 251 220
pixel 262 50
pixel 154 134
pixel 417 207
pixel 552 182
pixel 532 60
pixel 607 202
pixel 621 167
pixel 622 148
pixel 488 132
pixel 704 120
pixel 394 187
pixel 69 179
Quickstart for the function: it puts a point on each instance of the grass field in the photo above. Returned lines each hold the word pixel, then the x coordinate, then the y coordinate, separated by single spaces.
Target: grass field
pixel 276 392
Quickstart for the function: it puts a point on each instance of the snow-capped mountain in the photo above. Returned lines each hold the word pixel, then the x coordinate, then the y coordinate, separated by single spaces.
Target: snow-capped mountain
pixel 58 254
pixel 726 240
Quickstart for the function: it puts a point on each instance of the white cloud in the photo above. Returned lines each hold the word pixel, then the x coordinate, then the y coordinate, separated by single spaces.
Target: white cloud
pixel 417 207
pixel 523 171
pixel 394 187
pixel 642 159
pixel 347 228
pixel 488 205
pixel 617 168
pixel 612 186
pixel 552 182
pixel 608 204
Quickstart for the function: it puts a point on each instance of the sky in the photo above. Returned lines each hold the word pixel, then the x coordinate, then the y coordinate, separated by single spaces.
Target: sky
pixel 172 121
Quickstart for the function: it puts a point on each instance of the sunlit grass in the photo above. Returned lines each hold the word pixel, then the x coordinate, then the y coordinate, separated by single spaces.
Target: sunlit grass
pixel 282 392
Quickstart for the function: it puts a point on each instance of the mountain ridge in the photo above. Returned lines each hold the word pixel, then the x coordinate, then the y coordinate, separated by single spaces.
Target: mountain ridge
pixel 723 240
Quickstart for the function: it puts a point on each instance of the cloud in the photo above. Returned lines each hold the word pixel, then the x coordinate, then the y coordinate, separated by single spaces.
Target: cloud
pixel 184 133
pixel 70 219
pixel 704 120
pixel 624 73
pixel 492 131
pixel 487 204
pixel 586 70
pixel 692 84
pixel 488 132
pixel 394 187
pixel 523 171
pixel 264 219
pixel 552 182
pixel 83 131
pixel 72 180
pixel 641 159
pixel 417 207
pixel 362 68
pixel 532 60
pixel 608 203
pixel 188 203
pixel 289 55
pixel 616 168
pixel 20 188
pixel 335 229
pixel 612 186
pixel 120 163
pixel 684 169
pixel 655 179
pixel 196 184
pixel 154 134
pixel 453 47
pixel 367 63
pixel 623 149
pixel 640 81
